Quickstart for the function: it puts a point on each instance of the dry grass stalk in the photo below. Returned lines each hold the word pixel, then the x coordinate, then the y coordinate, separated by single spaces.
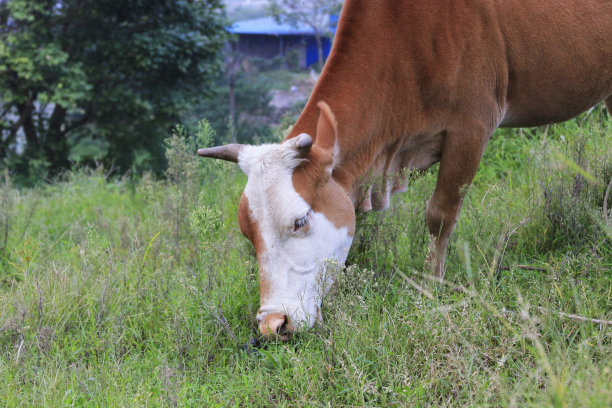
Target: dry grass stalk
pixel 605 203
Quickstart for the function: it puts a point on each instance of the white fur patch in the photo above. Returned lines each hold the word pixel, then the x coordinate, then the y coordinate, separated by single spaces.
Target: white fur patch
pixel 294 269
pixel 292 261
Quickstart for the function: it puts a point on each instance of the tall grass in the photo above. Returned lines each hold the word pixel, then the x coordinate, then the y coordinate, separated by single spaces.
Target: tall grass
pixel 118 292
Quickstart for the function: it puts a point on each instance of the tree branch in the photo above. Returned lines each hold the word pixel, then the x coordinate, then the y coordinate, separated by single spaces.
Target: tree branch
pixel 8 108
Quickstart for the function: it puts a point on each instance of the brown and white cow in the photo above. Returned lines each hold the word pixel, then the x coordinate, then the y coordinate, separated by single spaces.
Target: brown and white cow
pixel 408 83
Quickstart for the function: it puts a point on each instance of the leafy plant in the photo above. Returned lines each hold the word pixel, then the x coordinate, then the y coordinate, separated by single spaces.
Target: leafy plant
pixel 101 80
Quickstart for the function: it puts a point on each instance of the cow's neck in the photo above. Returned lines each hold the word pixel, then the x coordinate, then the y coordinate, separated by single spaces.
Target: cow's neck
pixel 365 149
pixel 370 132
pixel 382 126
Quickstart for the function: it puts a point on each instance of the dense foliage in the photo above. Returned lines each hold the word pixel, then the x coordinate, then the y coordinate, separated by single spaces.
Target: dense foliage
pixel 100 80
pixel 123 292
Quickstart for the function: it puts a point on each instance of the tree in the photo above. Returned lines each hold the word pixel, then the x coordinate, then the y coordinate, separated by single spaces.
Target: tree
pixel 313 13
pixel 240 111
pixel 101 79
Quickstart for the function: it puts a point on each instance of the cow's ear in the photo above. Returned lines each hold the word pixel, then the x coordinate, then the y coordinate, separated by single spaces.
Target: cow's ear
pixel 327 131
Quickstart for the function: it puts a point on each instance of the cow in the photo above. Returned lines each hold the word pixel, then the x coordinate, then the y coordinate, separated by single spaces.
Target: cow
pixel 408 83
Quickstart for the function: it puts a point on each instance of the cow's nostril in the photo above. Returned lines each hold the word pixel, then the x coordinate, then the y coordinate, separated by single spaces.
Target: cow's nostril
pixel 275 325
pixel 278 324
pixel 282 329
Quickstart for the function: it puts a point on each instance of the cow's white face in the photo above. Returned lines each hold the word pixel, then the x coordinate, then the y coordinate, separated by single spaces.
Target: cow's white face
pixel 295 236
pixel 298 219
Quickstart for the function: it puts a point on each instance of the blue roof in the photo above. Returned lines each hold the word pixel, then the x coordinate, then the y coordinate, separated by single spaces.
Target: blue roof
pixel 268 26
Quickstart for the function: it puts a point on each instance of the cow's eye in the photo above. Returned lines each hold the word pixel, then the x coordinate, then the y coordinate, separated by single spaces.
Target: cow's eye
pixel 301 222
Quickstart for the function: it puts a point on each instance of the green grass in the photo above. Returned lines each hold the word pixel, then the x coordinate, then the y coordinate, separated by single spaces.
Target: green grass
pixel 143 292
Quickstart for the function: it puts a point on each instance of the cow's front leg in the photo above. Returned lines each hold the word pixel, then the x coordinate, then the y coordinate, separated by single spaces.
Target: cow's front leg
pixel 459 159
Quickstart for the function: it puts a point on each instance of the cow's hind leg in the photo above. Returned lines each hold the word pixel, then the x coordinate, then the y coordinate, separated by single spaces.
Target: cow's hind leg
pixel 461 153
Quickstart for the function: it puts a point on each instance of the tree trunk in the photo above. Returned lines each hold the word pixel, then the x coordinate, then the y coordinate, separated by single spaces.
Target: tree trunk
pixel 4 143
pixel 56 145
pixel 25 121
pixel 232 108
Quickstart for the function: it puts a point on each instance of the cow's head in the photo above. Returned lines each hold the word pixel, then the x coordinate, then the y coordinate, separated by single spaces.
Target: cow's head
pixel 298 219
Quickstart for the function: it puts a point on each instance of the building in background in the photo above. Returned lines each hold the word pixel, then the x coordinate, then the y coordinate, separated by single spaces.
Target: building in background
pixel 266 38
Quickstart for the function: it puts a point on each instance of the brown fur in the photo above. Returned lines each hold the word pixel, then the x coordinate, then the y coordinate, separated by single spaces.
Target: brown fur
pixel 249 228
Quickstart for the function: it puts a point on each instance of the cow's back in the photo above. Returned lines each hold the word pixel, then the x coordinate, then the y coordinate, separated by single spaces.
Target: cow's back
pixel 537 61
pixel 559 56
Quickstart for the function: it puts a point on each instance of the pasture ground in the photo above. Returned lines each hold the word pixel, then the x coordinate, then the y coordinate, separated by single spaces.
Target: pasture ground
pixel 124 292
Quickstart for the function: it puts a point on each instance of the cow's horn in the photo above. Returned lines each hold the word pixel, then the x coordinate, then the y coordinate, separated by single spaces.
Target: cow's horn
pixel 228 152
pixel 303 143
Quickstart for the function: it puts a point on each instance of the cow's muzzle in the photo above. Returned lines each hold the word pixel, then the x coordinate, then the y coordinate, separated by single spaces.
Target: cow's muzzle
pixel 276 326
